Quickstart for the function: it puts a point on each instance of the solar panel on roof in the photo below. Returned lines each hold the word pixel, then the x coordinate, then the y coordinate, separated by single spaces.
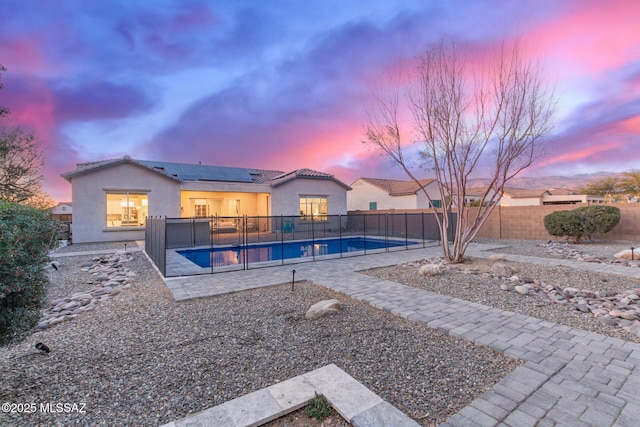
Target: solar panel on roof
pixel 202 172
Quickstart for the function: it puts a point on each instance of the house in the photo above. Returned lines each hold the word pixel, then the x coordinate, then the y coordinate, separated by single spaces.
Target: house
pixel 63 211
pixel 381 194
pixel 553 196
pixel 112 198
pixel 527 197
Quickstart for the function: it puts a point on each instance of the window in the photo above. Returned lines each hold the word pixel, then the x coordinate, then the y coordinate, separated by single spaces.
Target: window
pixel 200 208
pixel 373 206
pixel 313 208
pixel 436 203
pixel 127 209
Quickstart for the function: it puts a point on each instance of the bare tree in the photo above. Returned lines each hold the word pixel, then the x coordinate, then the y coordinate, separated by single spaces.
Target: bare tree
pixel 21 164
pixel 466 115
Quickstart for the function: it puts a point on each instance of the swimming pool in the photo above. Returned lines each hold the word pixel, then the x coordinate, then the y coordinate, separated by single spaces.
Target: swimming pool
pixel 275 251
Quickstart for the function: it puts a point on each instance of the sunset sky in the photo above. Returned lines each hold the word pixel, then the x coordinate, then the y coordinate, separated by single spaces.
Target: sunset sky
pixel 282 84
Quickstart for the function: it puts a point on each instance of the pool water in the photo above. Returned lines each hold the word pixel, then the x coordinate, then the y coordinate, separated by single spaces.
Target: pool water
pixel 218 257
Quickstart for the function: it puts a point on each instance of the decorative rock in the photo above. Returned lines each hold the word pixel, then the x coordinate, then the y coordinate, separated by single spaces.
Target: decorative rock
pixel 430 270
pixel 70 305
pixel 628 254
pixel 110 275
pixel 608 321
pixel 323 308
pixel 522 290
pixel 635 328
pixel 570 291
pixel 628 315
pixel 57 320
pixel 583 308
pixel 42 325
pixel 500 269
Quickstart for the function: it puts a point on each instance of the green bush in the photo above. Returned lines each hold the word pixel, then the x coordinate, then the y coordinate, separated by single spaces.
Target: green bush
pixel 582 222
pixel 26 236
pixel 598 219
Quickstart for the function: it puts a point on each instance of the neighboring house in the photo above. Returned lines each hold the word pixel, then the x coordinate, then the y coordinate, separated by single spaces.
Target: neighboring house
pixel 370 194
pixel 553 196
pixel 63 211
pixel 526 197
pixel 112 198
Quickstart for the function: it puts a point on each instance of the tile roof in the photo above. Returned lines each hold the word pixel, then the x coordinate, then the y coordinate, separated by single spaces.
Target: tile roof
pixel 305 173
pixel 523 192
pixel 396 187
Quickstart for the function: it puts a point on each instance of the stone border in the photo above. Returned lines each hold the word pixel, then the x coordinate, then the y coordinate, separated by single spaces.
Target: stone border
pixel 352 400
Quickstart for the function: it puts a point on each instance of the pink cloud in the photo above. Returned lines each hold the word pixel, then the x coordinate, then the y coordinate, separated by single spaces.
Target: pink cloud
pixel 591 36
pixel 22 56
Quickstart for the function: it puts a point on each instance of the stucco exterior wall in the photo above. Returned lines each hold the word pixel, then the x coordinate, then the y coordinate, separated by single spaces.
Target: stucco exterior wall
pixel 90 206
pixel 362 193
pixel 434 193
pixel 285 198
pixel 520 201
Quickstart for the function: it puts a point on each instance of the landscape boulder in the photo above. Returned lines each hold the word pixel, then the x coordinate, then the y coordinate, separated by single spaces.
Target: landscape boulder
pixel 500 269
pixel 323 308
pixel 430 270
pixel 627 254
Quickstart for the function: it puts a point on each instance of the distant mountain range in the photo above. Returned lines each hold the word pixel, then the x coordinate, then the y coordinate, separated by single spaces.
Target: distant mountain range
pixel 546 182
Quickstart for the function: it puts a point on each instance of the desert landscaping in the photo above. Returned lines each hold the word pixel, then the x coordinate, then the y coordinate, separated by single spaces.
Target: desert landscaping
pixel 133 356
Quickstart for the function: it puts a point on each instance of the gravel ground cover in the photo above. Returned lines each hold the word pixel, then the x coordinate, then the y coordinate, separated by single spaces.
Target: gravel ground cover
pixel 541 248
pixel 467 281
pixel 142 359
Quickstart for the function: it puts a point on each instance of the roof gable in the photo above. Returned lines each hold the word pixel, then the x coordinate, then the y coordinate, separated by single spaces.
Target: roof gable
pixel 307 174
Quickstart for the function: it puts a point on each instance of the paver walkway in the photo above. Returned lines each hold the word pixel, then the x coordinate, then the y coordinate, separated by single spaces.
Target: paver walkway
pixel 570 377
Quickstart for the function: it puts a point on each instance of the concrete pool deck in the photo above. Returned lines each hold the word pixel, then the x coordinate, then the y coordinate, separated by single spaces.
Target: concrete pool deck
pixel 570 377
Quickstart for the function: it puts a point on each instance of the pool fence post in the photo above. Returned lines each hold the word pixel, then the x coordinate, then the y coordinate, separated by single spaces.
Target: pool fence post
pixel 406 230
pixel 282 239
pixel 386 231
pixel 211 242
pixel 313 239
pixel 340 233
pixel 422 225
pixel 364 232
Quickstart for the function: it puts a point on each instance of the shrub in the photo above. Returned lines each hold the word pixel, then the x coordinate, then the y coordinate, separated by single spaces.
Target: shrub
pixel 563 224
pixel 582 222
pixel 598 219
pixel 26 235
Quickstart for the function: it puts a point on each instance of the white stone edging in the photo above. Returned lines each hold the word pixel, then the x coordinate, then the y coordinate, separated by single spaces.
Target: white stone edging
pixel 352 400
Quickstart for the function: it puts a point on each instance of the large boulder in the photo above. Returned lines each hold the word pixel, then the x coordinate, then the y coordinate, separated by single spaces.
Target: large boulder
pixel 503 270
pixel 430 270
pixel 627 254
pixel 323 308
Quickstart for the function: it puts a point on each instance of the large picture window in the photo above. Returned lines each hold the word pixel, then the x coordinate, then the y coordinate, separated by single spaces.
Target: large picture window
pixel 313 208
pixel 127 209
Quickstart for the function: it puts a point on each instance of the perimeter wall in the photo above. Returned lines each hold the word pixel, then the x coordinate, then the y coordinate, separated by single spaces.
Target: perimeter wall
pixel 527 222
